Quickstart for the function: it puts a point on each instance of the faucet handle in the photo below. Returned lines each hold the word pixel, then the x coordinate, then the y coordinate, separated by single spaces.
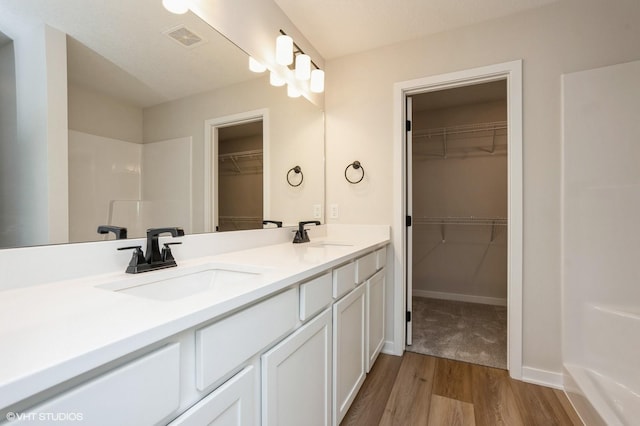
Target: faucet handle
pixel 166 252
pixel 136 260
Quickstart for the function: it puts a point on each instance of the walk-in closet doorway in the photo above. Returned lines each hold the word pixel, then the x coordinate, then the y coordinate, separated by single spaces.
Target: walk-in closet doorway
pixel 458 197
pixel 441 222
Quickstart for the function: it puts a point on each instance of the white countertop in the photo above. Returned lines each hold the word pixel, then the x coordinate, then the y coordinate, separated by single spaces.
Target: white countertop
pixel 53 332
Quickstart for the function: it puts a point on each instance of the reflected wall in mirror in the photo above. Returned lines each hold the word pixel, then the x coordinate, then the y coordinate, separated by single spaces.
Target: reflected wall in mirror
pixel 102 121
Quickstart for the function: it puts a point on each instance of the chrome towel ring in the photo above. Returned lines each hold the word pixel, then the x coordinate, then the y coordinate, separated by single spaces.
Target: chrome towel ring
pixel 356 166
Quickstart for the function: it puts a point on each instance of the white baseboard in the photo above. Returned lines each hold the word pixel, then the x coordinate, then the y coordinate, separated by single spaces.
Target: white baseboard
pixel 389 348
pixel 546 378
pixel 461 297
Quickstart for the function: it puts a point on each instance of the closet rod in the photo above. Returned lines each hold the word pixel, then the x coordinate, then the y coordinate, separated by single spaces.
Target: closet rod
pixel 471 220
pixel 455 130
pixel 255 153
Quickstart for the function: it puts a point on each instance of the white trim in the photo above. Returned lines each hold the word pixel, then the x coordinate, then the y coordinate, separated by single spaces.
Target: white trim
pixel 211 151
pixel 512 72
pixel 550 379
pixel 496 301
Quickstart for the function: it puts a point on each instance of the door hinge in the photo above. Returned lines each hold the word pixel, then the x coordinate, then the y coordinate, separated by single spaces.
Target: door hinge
pixel 408 126
pixel 408 221
pixel 408 316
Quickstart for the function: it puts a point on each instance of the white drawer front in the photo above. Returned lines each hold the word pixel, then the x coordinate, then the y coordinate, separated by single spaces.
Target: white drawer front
pixel 230 404
pixel 381 258
pixel 141 392
pixel 366 266
pixel 222 346
pixel 344 279
pixel 315 295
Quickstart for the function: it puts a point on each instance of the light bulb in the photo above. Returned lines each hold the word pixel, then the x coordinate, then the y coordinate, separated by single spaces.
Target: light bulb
pixel 284 50
pixel 317 81
pixel 303 67
pixel 256 66
pixel 276 80
pixel 293 91
pixel 178 7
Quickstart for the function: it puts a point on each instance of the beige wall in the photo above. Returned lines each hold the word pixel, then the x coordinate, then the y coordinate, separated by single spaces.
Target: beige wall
pixel 102 115
pixel 567 36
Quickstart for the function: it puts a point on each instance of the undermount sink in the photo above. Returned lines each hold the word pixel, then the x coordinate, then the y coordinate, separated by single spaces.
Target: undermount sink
pixel 218 282
pixel 329 244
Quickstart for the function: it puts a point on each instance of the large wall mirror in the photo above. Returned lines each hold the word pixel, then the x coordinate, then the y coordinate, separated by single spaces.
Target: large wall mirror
pixel 120 113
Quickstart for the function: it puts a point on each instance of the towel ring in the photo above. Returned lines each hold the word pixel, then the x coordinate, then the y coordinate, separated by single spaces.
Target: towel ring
pixel 356 165
pixel 296 170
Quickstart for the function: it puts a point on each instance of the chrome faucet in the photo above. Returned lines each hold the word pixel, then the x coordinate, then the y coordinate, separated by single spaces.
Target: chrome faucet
pixel 154 259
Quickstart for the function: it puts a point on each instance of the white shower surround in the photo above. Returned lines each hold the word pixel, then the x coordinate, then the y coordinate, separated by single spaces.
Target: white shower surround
pixel 601 207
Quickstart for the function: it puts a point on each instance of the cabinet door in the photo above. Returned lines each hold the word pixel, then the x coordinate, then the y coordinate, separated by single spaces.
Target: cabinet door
pixel 296 377
pixel 375 317
pixel 348 350
pixel 232 404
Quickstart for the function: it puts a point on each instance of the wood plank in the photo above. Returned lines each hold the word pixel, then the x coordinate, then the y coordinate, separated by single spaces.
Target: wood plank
pixel 568 407
pixel 410 397
pixel 539 405
pixel 368 407
pixel 450 412
pixel 493 399
pixel 453 380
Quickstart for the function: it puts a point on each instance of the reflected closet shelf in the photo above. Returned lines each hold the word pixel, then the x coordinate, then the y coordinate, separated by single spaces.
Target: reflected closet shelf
pixel 243 162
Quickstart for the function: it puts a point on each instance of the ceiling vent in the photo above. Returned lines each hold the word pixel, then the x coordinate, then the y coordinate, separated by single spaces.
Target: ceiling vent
pixel 184 36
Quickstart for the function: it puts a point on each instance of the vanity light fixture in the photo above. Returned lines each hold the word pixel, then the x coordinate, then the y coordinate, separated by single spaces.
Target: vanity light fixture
pixel 256 66
pixel 276 80
pixel 303 67
pixel 178 7
pixel 284 50
pixel 317 81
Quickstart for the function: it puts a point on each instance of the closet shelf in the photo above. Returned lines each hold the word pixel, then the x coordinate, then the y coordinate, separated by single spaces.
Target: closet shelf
pixel 493 222
pixel 242 162
pixel 464 140
pixel 471 220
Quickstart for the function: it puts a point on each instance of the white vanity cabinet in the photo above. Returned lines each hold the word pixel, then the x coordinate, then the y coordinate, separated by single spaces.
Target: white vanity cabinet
pixel 297 356
pixel 296 377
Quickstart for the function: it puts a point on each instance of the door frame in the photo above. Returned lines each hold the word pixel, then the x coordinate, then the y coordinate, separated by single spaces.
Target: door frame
pixel 512 73
pixel 211 127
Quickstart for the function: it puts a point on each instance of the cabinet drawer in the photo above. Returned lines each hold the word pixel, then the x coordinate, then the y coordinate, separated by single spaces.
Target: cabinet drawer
pixel 315 295
pixel 344 279
pixel 365 267
pixel 381 258
pixel 141 392
pixel 222 346
pixel 231 404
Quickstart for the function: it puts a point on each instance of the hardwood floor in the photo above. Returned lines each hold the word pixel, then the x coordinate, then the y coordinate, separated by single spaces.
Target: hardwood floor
pixel 423 390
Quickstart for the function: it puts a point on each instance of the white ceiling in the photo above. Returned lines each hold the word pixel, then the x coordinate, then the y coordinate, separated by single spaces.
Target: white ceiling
pixel 341 27
pixel 118 47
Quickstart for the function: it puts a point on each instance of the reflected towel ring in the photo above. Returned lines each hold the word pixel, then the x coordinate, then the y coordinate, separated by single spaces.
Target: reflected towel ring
pixel 356 165
pixel 296 170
